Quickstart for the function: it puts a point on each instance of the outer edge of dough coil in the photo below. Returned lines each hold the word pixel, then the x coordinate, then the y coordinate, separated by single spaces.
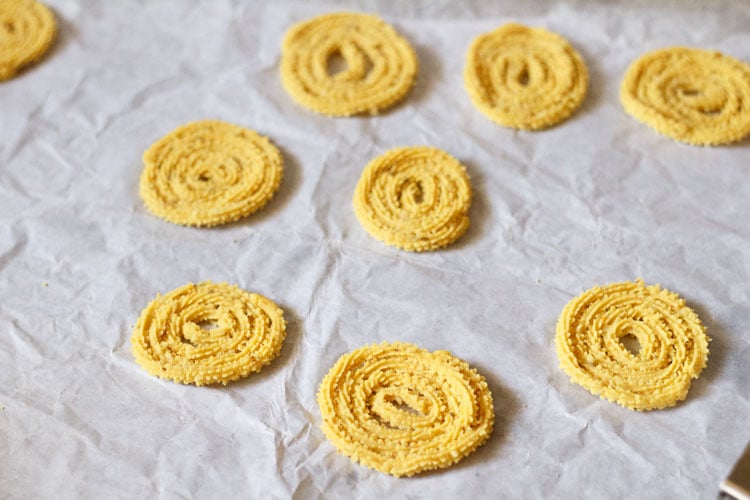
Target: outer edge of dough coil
pixel 360 401
pixel 169 342
pixel 529 105
pixel 27 51
pixel 676 92
pixel 304 72
pixel 168 188
pixel 670 356
pixel 391 220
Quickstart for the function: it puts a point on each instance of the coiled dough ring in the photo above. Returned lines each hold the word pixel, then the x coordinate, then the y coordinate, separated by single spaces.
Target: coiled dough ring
pixel 525 78
pixel 402 410
pixel 695 96
pixel 27 29
pixel 208 173
pixel 415 198
pixel 208 333
pixel 380 64
pixel 673 344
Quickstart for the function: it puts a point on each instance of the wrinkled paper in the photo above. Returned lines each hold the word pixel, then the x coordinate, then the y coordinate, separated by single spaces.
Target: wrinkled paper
pixel 598 199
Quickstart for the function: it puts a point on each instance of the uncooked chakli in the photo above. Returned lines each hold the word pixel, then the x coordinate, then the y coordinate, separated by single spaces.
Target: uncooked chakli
pixel 380 65
pixel 700 97
pixel 415 198
pixel 27 29
pixel 208 333
pixel 208 173
pixel 526 78
pixel 402 410
pixel 592 345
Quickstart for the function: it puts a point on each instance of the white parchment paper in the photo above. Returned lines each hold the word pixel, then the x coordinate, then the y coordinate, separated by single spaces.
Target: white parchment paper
pixel 598 199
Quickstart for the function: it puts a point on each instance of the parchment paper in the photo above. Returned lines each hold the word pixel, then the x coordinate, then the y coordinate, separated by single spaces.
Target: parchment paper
pixel 600 198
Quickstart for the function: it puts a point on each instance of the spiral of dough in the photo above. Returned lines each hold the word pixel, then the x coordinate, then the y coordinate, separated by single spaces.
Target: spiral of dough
pixel 380 64
pixel 208 173
pixel 695 96
pixel 402 410
pixel 208 333
pixel 525 78
pixel 673 344
pixel 27 29
pixel 415 198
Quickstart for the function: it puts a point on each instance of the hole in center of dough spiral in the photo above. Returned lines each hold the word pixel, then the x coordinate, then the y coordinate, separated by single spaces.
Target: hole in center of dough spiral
pixel 405 407
pixel 414 191
pixel 418 194
pixel 195 332
pixel 523 77
pixel 336 63
pixel 631 343
pixel 207 324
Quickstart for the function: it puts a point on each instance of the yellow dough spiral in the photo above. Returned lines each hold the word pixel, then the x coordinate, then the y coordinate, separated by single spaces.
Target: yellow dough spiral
pixel 27 29
pixel 208 173
pixel 380 64
pixel 525 78
pixel 415 198
pixel 591 344
pixel 208 333
pixel 695 96
pixel 402 410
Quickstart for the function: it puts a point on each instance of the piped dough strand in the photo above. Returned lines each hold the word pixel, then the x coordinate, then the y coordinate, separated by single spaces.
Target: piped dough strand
pixel 27 30
pixel 673 344
pixel 699 97
pixel 208 333
pixel 208 173
pixel 380 64
pixel 402 410
pixel 415 198
pixel 525 78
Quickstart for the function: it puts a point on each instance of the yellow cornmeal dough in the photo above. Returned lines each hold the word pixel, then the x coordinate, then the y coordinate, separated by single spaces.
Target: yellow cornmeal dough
pixel 402 410
pixel 699 97
pixel 208 173
pixel 673 344
pixel 415 198
pixel 525 78
pixel 208 333
pixel 380 64
pixel 27 29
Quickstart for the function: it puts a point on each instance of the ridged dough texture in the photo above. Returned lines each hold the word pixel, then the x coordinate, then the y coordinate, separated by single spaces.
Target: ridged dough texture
pixel 699 97
pixel 525 78
pixel 380 64
pixel 415 198
pixel 673 344
pixel 208 173
pixel 208 333
pixel 27 30
pixel 402 410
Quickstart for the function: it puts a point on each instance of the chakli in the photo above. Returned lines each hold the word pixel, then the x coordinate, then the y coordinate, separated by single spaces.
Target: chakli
pixel 402 410
pixel 27 29
pixel 695 96
pixel 526 78
pixel 415 198
pixel 208 173
pixel 380 64
pixel 673 344
pixel 208 333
